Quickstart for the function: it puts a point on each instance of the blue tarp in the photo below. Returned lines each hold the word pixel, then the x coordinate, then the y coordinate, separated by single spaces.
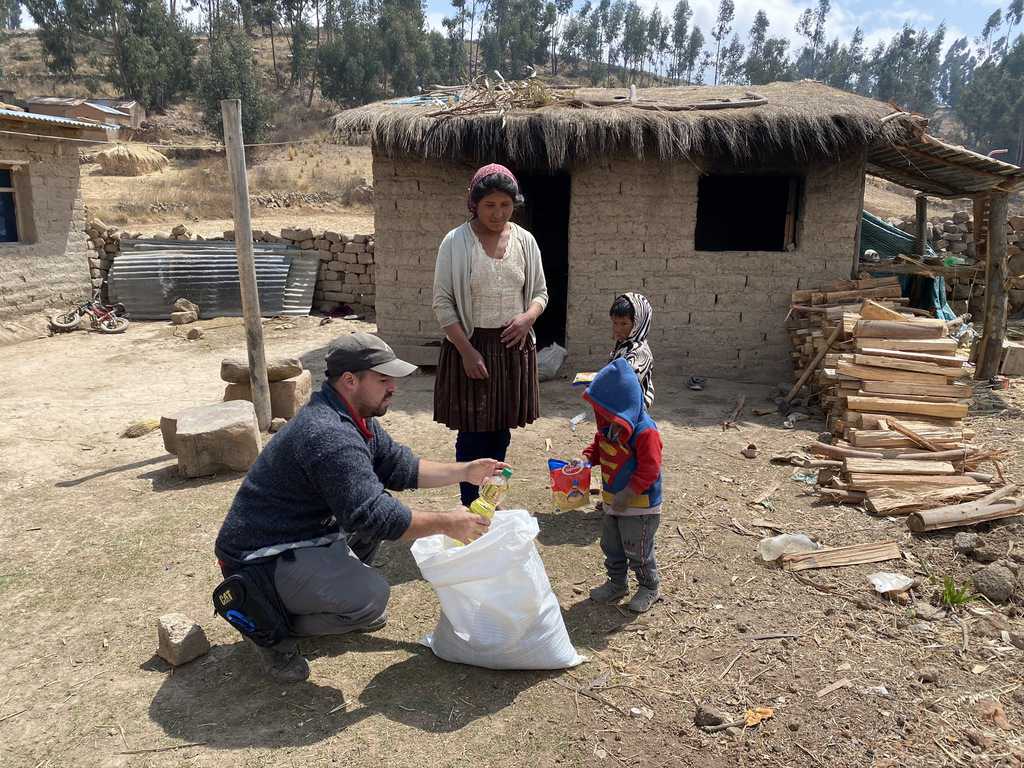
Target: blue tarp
pixel 888 241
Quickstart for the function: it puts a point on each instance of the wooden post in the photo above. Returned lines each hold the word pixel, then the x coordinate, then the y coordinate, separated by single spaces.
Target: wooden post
pixel 231 112
pixel 921 205
pixel 995 290
pixel 855 267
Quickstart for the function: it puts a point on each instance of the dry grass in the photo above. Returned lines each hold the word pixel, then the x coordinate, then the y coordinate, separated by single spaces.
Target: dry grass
pixel 130 160
pixel 200 189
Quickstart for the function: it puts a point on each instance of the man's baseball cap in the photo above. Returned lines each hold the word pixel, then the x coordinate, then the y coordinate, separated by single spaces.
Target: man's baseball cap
pixel 364 352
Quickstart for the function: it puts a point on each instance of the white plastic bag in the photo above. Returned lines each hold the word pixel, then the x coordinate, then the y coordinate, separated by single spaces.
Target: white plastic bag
pixel 497 607
pixel 549 360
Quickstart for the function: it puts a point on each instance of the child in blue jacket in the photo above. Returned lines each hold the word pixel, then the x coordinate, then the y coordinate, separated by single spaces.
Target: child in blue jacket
pixel 628 449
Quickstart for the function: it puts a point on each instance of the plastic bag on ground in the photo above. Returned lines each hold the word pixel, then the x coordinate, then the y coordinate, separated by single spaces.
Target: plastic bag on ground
pixel 497 607
pixel 774 547
pixel 549 360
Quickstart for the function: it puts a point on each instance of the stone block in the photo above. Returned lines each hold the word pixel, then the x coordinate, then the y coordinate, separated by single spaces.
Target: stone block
pixel 278 369
pixel 365 258
pixel 307 245
pixel 185 317
pixel 179 639
pixel 286 397
pixel 298 235
pixel 168 430
pixel 213 438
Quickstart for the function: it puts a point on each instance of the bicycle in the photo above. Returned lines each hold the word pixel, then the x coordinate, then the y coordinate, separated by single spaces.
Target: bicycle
pixel 105 318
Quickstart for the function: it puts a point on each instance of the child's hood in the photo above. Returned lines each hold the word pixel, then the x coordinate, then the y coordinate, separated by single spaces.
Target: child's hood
pixel 642 313
pixel 616 395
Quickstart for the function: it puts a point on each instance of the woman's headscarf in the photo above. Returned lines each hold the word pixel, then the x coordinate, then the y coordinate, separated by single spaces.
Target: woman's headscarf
pixel 483 173
pixel 634 348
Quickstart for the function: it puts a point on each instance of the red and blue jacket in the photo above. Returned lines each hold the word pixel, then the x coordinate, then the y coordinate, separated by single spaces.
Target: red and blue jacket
pixel 627 444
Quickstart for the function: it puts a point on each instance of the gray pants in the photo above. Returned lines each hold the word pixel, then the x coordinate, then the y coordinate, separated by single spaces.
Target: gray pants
pixel 628 542
pixel 332 590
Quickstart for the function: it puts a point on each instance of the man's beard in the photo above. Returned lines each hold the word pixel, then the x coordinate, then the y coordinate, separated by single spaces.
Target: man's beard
pixel 381 408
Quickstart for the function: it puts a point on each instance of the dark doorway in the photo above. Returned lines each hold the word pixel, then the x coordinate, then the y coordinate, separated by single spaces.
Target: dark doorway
pixel 767 205
pixel 546 216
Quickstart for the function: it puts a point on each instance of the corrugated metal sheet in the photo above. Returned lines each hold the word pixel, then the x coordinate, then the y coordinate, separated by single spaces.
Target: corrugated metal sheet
pixel 148 276
pixel 34 117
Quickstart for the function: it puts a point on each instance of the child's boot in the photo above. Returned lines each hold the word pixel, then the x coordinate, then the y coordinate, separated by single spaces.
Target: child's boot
pixel 609 592
pixel 644 599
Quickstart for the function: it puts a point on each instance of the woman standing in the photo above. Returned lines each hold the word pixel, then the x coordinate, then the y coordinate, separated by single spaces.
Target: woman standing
pixel 489 290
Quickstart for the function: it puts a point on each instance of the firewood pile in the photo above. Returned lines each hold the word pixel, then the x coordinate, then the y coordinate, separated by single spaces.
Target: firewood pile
pixel 895 391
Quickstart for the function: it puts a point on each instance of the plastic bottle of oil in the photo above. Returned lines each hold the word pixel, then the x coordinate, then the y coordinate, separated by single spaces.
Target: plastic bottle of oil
pixel 492 491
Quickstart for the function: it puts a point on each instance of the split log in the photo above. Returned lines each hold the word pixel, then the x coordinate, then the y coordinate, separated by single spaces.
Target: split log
pixel 908 432
pixel 876 373
pixel 935 346
pixel 893 501
pixel 824 449
pixel 883 438
pixel 872 310
pixel 871 421
pixel 887 405
pixel 970 513
pixel 813 364
pixel 865 482
pixel 960 391
pixel 919 398
pixel 832 557
pixel 908 329
pixel 898 467
pixel 923 357
pixel 916 366
pixel 842 496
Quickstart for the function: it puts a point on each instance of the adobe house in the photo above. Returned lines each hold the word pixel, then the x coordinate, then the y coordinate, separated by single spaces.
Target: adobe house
pixel 135 111
pixel 716 202
pixel 43 248
pixel 79 109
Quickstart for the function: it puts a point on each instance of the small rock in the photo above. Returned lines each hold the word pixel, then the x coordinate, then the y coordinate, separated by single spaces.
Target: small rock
pixel 978 739
pixel 930 675
pixel 184 305
pixel 793 725
pixel 706 716
pixel 964 542
pixel 194 333
pixel 984 556
pixel 180 640
pixel 1017 640
pixel 927 612
pixel 277 424
pixel 742 628
pixel 995 582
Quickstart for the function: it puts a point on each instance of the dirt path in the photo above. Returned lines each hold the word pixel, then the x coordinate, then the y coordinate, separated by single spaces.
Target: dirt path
pixel 101 536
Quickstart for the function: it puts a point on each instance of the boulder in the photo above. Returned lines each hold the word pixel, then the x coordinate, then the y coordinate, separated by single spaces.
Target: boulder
pixel 179 639
pixel 277 424
pixel 961 217
pixel 286 397
pixel 194 333
pixel 184 318
pixel 235 371
pixel 213 438
pixel 995 582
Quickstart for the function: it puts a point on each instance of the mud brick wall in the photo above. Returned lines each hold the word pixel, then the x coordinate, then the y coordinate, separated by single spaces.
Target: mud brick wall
pixel 715 313
pixel 631 228
pixel 48 270
pixel 415 205
pixel 345 276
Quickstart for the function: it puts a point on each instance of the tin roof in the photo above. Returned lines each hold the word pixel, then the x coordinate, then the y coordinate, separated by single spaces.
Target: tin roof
pixel 53 120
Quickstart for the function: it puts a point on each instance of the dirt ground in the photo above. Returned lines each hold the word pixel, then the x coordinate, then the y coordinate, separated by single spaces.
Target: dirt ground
pixel 101 536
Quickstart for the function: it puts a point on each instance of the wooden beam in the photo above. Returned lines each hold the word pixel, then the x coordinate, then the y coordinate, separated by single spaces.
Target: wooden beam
pixel 231 112
pixel 946 410
pixel 921 208
pixel 995 290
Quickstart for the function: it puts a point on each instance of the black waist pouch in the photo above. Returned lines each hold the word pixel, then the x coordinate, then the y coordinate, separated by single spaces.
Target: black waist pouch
pixel 247 599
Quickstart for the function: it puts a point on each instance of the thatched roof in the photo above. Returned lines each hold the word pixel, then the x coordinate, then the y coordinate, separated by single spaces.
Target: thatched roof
pixel 803 120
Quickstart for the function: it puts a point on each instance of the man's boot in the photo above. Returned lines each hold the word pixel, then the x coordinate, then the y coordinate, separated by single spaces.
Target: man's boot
pixel 282 663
